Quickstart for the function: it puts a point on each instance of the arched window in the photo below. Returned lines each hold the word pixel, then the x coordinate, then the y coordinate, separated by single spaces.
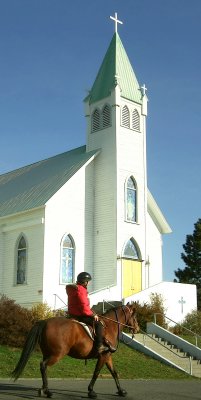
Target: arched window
pixel 67 260
pixel 125 117
pixel 135 120
pixel 131 200
pixel 131 250
pixel 96 120
pixel 21 261
pixel 106 116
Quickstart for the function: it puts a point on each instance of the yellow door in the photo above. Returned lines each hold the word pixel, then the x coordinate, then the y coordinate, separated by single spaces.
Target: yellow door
pixel 132 277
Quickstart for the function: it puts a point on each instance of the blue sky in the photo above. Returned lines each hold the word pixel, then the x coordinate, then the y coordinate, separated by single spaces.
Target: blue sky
pixel 50 53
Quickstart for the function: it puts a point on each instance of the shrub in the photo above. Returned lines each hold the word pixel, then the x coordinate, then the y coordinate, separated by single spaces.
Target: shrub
pixel 192 321
pixel 146 311
pixel 41 311
pixel 15 322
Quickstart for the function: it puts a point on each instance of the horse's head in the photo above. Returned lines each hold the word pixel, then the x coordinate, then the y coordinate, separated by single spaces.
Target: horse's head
pixel 130 312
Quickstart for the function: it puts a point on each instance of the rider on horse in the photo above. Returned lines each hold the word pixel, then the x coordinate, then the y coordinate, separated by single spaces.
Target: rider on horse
pixel 79 308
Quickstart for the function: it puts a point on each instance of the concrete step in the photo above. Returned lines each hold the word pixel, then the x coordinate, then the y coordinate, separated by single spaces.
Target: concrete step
pixel 170 353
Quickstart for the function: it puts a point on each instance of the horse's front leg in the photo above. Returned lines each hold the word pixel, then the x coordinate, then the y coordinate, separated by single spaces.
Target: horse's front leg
pixel 109 364
pixel 44 392
pixel 99 365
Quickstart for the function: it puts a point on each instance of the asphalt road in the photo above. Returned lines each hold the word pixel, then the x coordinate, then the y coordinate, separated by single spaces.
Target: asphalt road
pixel 105 389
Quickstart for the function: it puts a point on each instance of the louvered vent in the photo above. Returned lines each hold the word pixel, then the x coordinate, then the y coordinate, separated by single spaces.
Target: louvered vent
pixel 106 116
pixel 96 121
pixel 125 117
pixel 136 120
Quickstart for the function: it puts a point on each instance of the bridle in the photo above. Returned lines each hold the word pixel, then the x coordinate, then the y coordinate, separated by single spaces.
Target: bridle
pixel 124 307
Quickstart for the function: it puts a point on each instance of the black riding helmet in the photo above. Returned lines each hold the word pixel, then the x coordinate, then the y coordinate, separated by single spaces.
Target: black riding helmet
pixel 84 277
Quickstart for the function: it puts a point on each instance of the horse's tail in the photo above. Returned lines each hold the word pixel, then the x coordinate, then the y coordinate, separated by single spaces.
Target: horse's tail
pixel 31 341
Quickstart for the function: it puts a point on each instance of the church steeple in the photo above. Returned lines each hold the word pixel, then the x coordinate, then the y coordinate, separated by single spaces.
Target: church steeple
pixel 116 125
pixel 115 69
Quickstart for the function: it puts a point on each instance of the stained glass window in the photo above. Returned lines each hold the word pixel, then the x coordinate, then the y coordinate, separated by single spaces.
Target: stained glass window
pixel 21 261
pixel 131 200
pixel 67 260
pixel 130 250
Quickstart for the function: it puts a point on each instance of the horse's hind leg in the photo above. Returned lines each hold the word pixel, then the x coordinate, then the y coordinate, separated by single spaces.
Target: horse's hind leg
pixel 109 364
pixel 99 365
pixel 44 392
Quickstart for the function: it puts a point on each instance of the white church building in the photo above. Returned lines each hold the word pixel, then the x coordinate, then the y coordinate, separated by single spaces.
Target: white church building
pixel 90 209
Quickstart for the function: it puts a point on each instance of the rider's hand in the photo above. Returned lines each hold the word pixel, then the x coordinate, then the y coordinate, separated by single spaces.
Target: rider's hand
pixel 96 317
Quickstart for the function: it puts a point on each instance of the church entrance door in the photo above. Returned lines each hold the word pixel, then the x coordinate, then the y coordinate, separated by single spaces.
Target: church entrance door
pixel 131 269
pixel 132 277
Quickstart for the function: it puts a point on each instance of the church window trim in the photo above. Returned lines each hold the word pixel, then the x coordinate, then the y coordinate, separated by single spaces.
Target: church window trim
pixel 131 203
pixel 21 260
pixel 67 264
pixel 125 117
pixel 135 120
pixel 131 250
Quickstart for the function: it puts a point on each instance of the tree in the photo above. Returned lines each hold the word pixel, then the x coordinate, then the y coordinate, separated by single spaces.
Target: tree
pixel 192 258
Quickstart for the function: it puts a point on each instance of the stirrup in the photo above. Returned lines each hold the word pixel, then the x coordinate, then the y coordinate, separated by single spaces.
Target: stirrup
pixel 111 348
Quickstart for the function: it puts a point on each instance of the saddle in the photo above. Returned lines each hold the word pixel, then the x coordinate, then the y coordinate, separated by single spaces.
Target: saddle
pixel 91 333
pixel 89 329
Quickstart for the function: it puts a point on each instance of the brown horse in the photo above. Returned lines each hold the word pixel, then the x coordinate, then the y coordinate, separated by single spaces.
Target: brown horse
pixel 60 336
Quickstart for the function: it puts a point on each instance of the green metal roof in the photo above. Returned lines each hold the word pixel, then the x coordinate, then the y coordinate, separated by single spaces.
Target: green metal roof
pixel 115 68
pixel 33 185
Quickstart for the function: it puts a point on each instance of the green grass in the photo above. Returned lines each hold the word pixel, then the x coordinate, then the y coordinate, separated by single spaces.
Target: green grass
pixel 191 339
pixel 129 363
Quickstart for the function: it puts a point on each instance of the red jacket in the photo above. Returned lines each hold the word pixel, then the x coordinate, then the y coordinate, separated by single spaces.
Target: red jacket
pixel 78 302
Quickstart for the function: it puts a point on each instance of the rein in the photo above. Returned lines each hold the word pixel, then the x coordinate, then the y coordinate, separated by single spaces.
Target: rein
pixel 120 323
pixel 117 321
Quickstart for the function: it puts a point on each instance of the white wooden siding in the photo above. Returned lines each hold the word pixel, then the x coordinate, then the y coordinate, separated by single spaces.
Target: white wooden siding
pixel 31 225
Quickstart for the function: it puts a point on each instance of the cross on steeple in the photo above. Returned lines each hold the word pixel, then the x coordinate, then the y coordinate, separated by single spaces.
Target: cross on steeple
pixel 143 90
pixel 116 21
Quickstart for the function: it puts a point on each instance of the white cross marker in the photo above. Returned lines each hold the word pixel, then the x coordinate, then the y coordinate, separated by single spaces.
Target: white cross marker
pixel 116 21
pixel 182 302
pixel 143 90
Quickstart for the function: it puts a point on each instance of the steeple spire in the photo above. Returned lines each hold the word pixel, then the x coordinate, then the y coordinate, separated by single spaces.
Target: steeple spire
pixel 115 69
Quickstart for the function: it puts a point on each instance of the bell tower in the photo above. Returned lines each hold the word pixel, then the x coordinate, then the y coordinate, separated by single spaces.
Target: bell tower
pixel 116 110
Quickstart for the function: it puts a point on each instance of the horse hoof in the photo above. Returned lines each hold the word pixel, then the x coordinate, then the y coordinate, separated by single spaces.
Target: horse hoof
pixel 44 393
pixel 92 394
pixel 122 393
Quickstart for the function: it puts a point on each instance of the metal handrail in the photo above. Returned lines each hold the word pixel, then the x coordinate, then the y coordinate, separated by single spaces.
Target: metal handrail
pixel 100 290
pixel 110 304
pixel 56 295
pixel 161 344
pixel 182 327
